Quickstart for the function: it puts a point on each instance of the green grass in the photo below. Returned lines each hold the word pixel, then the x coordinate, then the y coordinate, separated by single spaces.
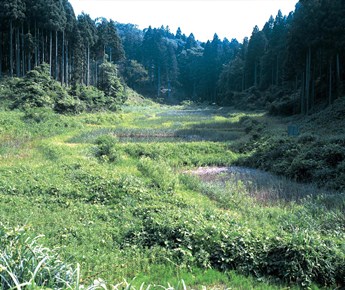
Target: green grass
pixel 125 209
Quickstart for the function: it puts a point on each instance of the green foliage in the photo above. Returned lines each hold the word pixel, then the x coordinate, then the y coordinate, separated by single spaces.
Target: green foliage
pixel 135 74
pixel 144 216
pixel 26 263
pixel 38 90
pixel 160 173
pixel 110 84
pixel 286 106
pixel 305 159
pixel 106 150
pixel 90 97
pixel 37 115
pixel 183 153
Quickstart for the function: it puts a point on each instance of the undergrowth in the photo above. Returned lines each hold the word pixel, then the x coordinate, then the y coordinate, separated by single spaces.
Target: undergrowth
pixel 124 209
pixel 316 155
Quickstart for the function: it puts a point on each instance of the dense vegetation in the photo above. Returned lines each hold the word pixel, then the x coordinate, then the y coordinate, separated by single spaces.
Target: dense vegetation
pixel 292 65
pixel 316 155
pixel 117 195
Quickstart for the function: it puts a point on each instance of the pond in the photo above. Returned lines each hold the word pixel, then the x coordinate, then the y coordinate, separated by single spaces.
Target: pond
pixel 261 185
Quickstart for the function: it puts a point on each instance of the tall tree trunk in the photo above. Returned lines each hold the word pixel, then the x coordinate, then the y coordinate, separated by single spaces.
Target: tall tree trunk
pixel 158 81
pixel 338 67
pixel 296 96
pixel 70 66
pixel 50 51
pixel 23 52
pixel 338 77
pixel 63 59
pixel 103 53
pixel 243 80
pixel 1 36
pixel 277 71
pixel 330 83
pixel 29 54
pixel 312 84
pixel 36 45
pixel 96 74
pixel 307 80
pixel 88 66
pixel 56 56
pixel 67 66
pixel 303 94
pixel 255 74
pixel 11 48
pixel 44 47
pixel 17 52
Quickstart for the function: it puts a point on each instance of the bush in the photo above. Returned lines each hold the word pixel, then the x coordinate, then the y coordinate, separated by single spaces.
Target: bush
pixel 92 98
pixel 37 115
pixel 285 106
pixel 305 159
pixel 300 258
pixel 37 89
pixel 106 149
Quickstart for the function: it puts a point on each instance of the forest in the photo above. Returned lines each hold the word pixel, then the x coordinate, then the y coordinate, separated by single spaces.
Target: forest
pixel 146 159
pixel 293 65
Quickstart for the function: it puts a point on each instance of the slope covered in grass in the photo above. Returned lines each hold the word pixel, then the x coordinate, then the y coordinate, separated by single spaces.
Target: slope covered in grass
pixel 316 155
pixel 112 193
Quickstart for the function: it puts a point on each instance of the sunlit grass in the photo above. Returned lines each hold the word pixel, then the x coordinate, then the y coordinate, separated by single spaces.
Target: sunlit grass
pixel 139 214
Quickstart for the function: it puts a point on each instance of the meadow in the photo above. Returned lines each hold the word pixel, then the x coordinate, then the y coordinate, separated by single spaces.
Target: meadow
pixel 111 198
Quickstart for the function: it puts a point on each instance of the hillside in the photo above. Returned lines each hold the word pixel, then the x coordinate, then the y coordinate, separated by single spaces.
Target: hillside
pixel 291 65
pixel 112 193
pixel 140 159
pixel 316 155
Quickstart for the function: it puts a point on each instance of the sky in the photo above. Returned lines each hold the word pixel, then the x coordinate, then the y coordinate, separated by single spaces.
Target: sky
pixel 203 18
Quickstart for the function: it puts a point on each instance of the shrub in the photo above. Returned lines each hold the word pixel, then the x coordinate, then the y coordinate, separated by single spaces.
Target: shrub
pixel 37 89
pixel 285 106
pixel 92 98
pixel 307 158
pixel 37 115
pixel 106 149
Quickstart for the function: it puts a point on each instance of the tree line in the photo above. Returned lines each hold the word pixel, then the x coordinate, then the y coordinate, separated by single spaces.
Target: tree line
pixel 33 32
pixel 294 62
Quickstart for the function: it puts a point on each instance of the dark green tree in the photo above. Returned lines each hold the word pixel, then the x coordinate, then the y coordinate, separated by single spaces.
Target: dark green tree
pixel 110 84
pixel 135 74
pixel 12 12
pixel 88 32
pixel 256 48
pixel 109 42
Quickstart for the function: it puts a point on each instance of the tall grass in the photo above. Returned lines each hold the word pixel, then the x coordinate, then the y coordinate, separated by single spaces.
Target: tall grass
pixel 124 209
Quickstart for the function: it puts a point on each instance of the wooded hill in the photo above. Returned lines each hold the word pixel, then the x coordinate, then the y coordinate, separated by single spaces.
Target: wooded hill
pixel 292 65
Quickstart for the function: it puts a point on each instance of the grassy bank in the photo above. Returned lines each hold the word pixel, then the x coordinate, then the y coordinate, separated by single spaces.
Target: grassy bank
pixel 315 155
pixel 111 193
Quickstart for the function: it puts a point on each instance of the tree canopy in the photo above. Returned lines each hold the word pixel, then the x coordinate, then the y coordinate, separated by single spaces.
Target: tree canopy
pixel 295 55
